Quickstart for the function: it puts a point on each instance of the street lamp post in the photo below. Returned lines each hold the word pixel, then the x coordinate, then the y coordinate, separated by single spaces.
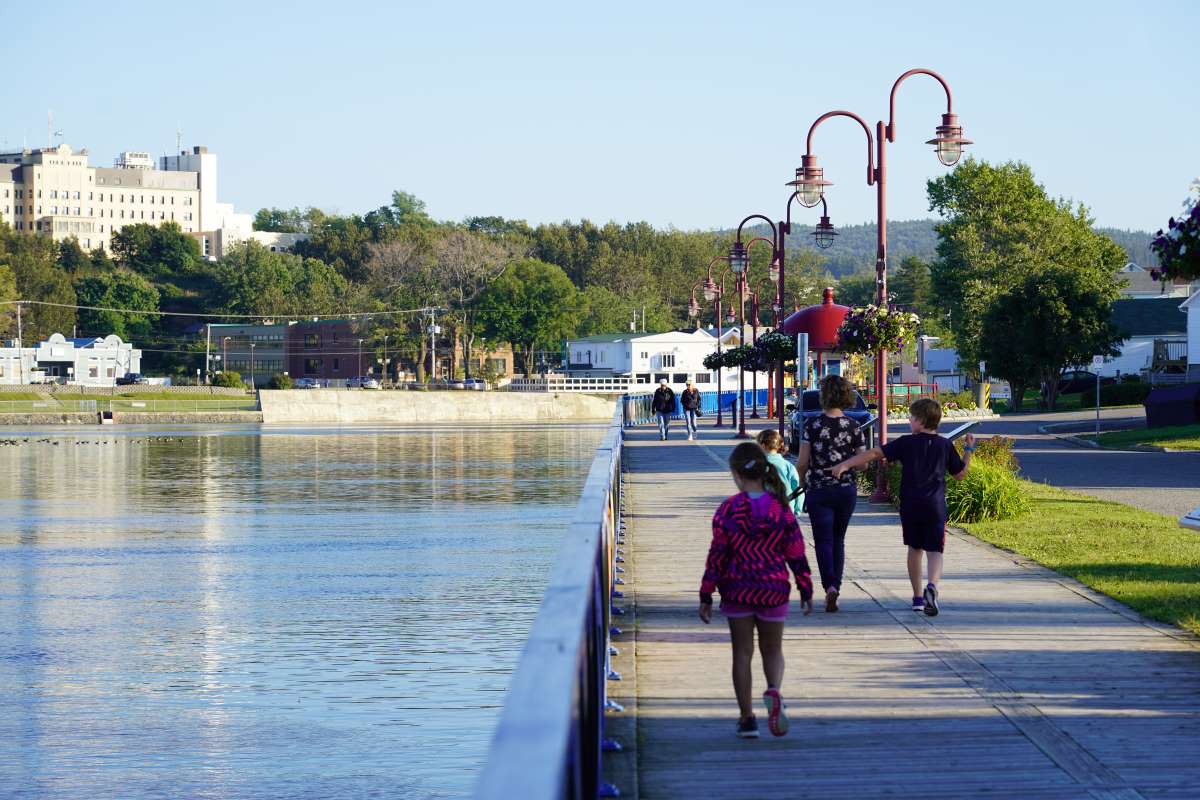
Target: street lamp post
pixel 385 359
pixel 253 383
pixel 225 353
pixel 742 254
pixel 713 292
pixel 810 186
pixel 359 373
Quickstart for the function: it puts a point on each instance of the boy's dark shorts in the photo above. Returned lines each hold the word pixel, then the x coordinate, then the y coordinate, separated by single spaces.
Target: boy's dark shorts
pixel 929 536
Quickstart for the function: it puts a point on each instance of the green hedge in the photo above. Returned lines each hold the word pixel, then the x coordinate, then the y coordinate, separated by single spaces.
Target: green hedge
pixel 1117 394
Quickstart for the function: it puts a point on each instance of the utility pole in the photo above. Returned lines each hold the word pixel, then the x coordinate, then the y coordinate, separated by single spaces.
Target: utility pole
pixel 207 342
pixel 20 355
pixel 432 345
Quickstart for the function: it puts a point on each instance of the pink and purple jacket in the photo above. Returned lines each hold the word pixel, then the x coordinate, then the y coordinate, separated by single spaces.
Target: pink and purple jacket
pixel 754 543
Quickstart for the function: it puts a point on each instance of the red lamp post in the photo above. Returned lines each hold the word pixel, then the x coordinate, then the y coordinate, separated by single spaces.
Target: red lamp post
pixel 810 184
pixel 713 292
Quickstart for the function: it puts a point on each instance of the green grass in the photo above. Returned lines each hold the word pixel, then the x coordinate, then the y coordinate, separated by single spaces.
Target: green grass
pixel 1178 437
pixel 1142 559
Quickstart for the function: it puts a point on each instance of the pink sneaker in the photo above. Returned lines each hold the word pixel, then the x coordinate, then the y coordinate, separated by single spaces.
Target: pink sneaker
pixel 777 721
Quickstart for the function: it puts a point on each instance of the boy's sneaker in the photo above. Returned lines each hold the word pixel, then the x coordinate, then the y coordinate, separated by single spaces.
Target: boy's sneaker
pixel 918 604
pixel 747 728
pixel 831 598
pixel 931 603
pixel 777 721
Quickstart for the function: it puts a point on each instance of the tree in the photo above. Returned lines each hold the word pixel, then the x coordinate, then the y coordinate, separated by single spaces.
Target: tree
pixel 1001 227
pixel 254 281
pixel 857 290
pixel 8 312
pixel 32 262
pixel 532 303
pixel 1054 319
pixel 71 256
pixel 229 379
pixel 605 311
pixel 467 263
pixel 288 220
pixel 117 290
pixel 156 251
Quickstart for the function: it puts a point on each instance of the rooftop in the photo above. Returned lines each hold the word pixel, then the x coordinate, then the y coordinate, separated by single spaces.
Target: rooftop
pixel 1157 316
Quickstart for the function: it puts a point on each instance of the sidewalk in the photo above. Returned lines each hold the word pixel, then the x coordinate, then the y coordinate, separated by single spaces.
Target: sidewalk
pixel 1028 685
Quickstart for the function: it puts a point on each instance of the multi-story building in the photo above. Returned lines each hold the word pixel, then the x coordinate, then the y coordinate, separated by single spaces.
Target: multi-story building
pixel 327 351
pixel 256 352
pixel 96 361
pixel 53 191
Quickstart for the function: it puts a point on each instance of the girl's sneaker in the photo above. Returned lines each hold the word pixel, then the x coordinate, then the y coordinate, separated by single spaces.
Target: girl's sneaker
pixel 777 721
pixel 918 604
pixel 747 728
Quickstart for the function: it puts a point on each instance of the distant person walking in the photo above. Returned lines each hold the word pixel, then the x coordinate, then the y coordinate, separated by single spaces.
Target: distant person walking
pixel 755 540
pixel 663 406
pixel 690 401
pixel 926 458
pixel 827 440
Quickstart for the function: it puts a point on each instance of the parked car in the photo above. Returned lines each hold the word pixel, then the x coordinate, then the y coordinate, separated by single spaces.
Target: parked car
pixel 810 406
pixel 132 379
pixel 306 383
pixel 1078 380
pixel 476 384
pixel 362 382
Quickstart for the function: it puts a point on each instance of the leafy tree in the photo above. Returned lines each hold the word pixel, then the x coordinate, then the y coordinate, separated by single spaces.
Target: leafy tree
pixel 101 261
pixel 317 287
pixel 254 281
pixel 288 220
pixel 1001 228
pixel 466 264
pixel 857 290
pixel 605 311
pixel 120 289
pixel 8 293
pixel 532 303
pixel 71 256
pixel 156 251
pixel 32 260
pixel 280 381
pixel 1054 319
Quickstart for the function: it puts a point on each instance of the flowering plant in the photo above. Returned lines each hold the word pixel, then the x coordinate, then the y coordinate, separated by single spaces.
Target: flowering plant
pixel 1178 248
pixel 774 347
pixel 868 329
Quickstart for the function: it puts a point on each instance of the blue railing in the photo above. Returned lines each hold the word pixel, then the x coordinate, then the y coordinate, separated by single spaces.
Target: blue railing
pixel 550 737
pixel 638 411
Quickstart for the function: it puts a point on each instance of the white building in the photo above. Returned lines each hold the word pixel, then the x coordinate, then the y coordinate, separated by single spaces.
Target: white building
pixel 85 362
pixel 53 191
pixel 647 358
pixel 1145 320
pixel 1191 307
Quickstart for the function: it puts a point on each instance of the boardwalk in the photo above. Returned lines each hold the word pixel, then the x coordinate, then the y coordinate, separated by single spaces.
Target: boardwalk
pixel 1028 685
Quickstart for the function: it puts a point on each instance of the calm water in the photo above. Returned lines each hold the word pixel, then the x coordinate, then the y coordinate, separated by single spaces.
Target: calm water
pixel 269 613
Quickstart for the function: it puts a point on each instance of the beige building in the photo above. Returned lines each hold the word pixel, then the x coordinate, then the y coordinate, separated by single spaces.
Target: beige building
pixel 53 191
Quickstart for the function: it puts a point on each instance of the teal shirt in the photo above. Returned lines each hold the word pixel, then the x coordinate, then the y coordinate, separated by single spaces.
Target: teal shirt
pixel 791 478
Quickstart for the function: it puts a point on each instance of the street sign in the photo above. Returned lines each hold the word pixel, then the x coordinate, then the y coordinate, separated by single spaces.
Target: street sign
pixel 1097 362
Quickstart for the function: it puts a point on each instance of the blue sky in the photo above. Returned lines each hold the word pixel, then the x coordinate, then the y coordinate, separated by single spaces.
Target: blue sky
pixel 685 114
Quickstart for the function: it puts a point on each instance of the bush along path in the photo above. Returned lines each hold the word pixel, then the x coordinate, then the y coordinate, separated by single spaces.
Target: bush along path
pixel 1142 559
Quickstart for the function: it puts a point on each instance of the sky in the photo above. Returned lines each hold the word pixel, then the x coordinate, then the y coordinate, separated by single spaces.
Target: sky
pixel 691 115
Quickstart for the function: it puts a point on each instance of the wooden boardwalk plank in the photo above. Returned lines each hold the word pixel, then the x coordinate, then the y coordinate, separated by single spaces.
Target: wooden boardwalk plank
pixel 1027 685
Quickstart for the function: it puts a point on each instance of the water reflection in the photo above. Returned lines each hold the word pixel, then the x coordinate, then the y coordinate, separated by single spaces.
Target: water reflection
pixel 274 613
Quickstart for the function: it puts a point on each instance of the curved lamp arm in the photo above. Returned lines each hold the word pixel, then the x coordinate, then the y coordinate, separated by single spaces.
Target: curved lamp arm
pixel 788 217
pixel 891 126
pixel 866 129
pixel 765 219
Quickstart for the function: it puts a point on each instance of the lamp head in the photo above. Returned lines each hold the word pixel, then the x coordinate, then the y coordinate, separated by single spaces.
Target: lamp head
pixel 731 317
pixel 948 142
pixel 710 289
pixel 773 271
pixel 810 182
pixel 824 233
pixel 693 309
pixel 737 258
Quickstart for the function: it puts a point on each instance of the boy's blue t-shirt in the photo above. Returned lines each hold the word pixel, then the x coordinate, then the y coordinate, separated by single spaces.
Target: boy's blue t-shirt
pixel 926 457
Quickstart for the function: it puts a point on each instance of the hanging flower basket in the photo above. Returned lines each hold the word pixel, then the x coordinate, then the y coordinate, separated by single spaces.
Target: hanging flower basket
pixel 1178 247
pixel 866 330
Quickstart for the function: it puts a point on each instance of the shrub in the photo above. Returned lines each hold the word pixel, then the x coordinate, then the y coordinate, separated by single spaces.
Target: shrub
pixel 228 379
pixel 964 399
pixel 280 381
pixel 987 491
pixel 1117 394
pixel 1128 378
pixel 997 451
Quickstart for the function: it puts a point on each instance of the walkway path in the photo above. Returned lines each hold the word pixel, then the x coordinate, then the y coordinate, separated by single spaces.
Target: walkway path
pixel 1028 685
pixel 1168 483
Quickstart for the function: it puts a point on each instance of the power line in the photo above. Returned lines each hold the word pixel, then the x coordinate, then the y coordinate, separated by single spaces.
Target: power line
pixel 350 314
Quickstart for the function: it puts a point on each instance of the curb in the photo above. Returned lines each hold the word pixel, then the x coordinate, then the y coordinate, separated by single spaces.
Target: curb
pixel 1045 430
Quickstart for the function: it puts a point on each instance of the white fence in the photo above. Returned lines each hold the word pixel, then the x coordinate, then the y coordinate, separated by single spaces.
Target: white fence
pixel 589 385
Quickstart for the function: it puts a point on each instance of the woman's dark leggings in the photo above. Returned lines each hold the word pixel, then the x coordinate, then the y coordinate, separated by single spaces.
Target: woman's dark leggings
pixel 829 512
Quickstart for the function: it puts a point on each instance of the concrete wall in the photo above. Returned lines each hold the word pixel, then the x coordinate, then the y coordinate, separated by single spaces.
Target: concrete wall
pixel 356 405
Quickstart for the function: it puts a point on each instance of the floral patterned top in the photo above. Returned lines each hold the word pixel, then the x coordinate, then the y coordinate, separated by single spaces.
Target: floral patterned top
pixel 831 440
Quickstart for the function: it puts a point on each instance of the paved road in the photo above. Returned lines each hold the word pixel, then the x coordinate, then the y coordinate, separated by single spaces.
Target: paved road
pixel 1028 685
pixel 1168 483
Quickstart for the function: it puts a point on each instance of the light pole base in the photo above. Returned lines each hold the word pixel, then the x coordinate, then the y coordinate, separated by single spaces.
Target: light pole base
pixel 742 435
pixel 754 415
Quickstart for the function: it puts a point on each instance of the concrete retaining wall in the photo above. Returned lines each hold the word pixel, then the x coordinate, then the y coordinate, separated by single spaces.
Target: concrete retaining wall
pixel 202 392
pixel 71 418
pixel 184 417
pixel 357 405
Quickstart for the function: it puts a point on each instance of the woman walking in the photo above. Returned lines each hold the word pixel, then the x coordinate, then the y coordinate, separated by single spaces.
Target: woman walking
pixel 828 440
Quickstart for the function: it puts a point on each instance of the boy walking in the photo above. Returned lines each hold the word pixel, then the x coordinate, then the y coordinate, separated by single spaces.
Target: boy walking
pixel 926 458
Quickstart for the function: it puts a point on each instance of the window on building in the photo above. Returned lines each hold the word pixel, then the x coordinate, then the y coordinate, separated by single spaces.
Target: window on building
pixel 77 211
pixel 312 340
pixel 312 366
pixel 642 377
pixel 500 365
pixel 93 371
pixel 679 377
pixel 645 355
pixel 660 376
pixel 668 360
pixel 74 195
pixel 187 215
pixel 53 194
pixel 336 364
pixel 703 377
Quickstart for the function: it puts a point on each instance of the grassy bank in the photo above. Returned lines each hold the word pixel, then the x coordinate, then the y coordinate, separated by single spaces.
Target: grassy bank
pixel 1142 559
pixel 1179 437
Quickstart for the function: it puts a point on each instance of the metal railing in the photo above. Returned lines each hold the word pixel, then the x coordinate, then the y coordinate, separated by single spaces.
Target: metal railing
pixel 603 385
pixel 900 394
pixel 638 407
pixel 550 737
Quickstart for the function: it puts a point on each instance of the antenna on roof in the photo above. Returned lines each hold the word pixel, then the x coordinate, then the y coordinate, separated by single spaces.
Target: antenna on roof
pixel 178 140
